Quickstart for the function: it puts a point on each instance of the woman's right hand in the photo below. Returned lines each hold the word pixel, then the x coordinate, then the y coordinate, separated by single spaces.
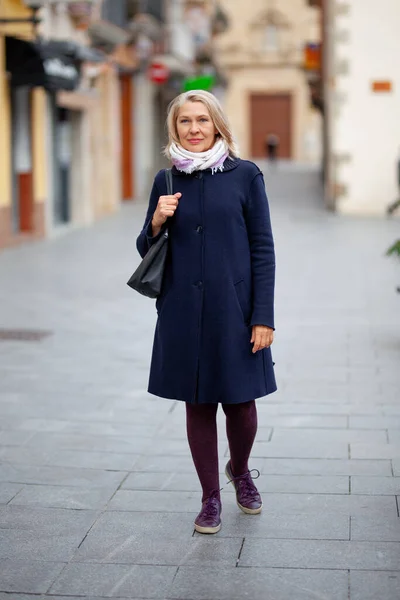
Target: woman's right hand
pixel 166 207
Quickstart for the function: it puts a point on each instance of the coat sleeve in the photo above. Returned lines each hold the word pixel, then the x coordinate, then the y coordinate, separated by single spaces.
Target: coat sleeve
pixel 262 253
pixel 146 239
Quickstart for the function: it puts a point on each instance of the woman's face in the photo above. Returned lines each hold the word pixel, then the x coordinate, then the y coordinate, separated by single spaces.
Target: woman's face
pixel 196 129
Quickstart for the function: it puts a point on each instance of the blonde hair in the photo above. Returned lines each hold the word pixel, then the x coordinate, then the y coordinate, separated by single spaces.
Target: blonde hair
pixel 216 113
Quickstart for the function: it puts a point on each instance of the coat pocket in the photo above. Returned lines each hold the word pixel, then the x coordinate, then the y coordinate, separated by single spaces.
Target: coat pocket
pixel 243 300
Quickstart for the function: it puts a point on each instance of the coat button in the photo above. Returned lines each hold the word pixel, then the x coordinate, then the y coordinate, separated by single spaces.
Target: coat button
pixel 199 229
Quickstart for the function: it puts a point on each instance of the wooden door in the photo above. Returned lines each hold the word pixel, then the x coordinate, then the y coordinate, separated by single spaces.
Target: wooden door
pixel 22 160
pixel 126 136
pixel 271 114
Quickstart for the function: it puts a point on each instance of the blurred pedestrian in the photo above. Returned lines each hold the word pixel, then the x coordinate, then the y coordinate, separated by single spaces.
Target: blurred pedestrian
pixel 272 145
pixel 216 309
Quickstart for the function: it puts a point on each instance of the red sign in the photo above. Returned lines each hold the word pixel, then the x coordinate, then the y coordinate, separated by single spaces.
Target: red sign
pixel 312 57
pixel 381 86
pixel 158 73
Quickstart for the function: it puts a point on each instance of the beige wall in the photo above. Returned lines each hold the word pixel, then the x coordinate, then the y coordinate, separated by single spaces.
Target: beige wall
pixel 237 103
pixel 253 67
pixel 5 133
pixel 40 173
pixel 8 9
pixel 106 144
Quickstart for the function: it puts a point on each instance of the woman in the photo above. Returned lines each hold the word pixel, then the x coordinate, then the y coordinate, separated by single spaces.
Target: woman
pixel 216 309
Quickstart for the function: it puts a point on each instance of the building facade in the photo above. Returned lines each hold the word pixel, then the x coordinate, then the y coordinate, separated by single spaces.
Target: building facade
pixel 262 53
pixel 84 92
pixel 23 183
pixel 64 83
pixel 362 98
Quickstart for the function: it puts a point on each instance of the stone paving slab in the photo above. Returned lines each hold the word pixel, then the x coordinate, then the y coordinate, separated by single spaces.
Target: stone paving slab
pixel 15 438
pixel 47 496
pixel 279 584
pixel 326 554
pixel 8 491
pixel 328 467
pixel 374 585
pixel 89 443
pixel 288 526
pixel 389 486
pixel 44 475
pixel 170 526
pixel 300 449
pixel 107 461
pixel 33 577
pixel 132 548
pixel 330 436
pixel 372 450
pixel 396 467
pixel 157 501
pixel 378 422
pixel 394 436
pixel 114 580
pixel 380 529
pixel 331 503
pixel 301 484
pixel 51 521
pixel 16 544
pixel 83 427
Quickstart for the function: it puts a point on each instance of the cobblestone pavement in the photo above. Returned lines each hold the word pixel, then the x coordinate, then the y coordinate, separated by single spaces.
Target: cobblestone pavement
pixel 97 489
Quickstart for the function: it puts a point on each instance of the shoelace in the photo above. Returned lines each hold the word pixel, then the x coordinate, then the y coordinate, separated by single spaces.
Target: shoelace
pixel 211 508
pixel 247 487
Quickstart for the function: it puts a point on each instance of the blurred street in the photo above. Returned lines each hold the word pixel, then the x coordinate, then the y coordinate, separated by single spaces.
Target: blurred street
pixel 98 493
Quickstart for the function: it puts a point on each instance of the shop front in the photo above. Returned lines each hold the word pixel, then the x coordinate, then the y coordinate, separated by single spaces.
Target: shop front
pixel 37 71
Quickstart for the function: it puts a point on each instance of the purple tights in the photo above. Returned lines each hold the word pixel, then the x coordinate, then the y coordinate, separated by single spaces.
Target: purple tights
pixel 201 425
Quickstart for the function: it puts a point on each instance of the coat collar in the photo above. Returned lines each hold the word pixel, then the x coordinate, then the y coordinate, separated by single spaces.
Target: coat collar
pixel 229 164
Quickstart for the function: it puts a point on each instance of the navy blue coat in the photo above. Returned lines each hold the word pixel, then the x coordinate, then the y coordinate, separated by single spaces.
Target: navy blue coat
pixel 218 282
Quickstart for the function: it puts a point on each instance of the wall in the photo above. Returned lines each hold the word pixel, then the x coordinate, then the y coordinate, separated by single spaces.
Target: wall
pixel 16 9
pixel 251 80
pixel 144 131
pixel 364 126
pixel 256 63
pixel 5 134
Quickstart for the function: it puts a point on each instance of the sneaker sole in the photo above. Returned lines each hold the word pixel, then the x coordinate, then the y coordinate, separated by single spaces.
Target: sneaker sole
pixel 248 511
pixel 200 529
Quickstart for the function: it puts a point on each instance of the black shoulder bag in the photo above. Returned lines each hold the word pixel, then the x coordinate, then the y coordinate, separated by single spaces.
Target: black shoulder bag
pixel 147 279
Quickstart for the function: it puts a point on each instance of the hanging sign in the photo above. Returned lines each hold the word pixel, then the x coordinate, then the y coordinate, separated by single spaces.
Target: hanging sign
pixel 312 57
pixel 158 73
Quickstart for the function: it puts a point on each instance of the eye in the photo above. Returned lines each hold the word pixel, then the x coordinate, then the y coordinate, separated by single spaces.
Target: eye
pixel 204 119
pixel 184 121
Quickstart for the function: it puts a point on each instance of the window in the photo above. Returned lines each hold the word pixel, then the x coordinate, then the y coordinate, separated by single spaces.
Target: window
pixel 271 38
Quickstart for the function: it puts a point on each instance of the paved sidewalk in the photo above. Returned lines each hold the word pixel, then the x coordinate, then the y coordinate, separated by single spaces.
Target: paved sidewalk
pixel 97 489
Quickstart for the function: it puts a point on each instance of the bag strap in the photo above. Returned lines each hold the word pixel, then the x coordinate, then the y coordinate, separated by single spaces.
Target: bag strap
pixel 168 179
pixel 170 190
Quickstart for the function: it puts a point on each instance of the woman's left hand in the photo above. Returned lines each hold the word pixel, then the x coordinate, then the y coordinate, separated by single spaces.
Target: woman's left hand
pixel 262 337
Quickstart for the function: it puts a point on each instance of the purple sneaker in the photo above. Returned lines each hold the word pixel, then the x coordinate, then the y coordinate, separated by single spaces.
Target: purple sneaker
pixel 209 518
pixel 247 496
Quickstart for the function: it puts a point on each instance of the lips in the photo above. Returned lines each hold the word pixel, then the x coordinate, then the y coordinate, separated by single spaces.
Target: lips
pixel 195 141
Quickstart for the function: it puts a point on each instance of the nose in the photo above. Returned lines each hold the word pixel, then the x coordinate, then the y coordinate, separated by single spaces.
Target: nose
pixel 194 127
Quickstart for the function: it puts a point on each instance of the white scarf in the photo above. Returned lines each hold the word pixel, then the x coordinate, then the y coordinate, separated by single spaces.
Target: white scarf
pixel 187 161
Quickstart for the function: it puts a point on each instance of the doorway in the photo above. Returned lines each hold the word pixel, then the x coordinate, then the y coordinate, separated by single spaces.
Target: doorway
pixel 271 115
pixel 22 161
pixel 62 159
pixel 127 136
